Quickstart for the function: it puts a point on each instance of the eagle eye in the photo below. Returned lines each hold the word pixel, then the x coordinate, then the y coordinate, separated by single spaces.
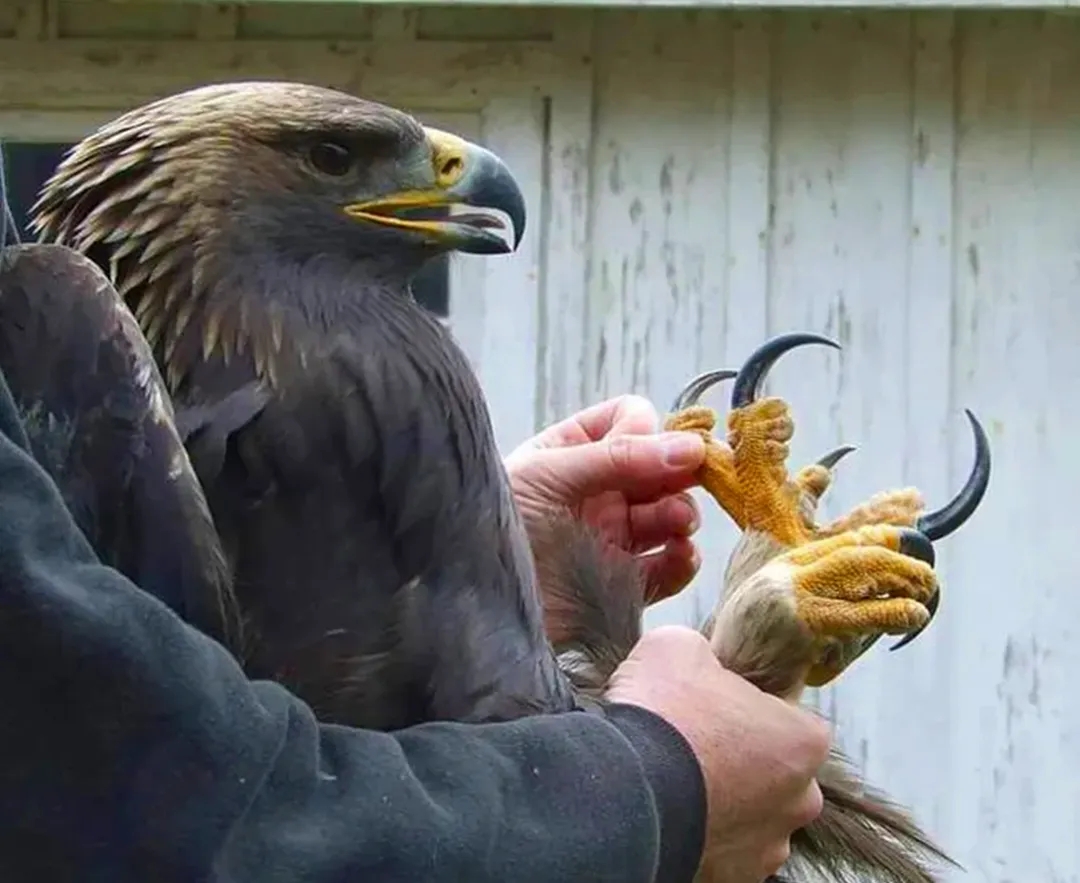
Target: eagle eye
pixel 331 158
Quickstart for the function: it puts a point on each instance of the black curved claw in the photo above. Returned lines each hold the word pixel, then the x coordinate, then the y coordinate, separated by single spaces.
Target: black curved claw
pixel 752 375
pixel 695 389
pixel 833 457
pixel 917 545
pixel 931 606
pixel 951 516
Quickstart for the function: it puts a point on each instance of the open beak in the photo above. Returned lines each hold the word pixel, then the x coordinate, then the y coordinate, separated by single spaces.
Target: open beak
pixel 462 175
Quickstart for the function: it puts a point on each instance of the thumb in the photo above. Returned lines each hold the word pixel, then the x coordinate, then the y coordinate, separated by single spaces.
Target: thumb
pixel 638 463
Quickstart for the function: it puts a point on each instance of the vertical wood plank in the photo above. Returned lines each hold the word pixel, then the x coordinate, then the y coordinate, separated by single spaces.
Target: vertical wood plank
pixel 507 360
pixel 218 21
pixel 657 284
pixel 565 250
pixel 839 266
pixel 735 325
pixel 1014 792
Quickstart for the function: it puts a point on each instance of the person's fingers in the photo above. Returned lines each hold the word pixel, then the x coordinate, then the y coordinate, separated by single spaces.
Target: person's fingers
pixel 643 527
pixel 809 807
pixel 799 814
pixel 654 523
pixel 669 570
pixel 774 857
pixel 623 415
pixel 644 467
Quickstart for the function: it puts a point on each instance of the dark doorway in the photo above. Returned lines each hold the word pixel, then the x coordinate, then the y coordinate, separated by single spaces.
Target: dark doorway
pixel 29 163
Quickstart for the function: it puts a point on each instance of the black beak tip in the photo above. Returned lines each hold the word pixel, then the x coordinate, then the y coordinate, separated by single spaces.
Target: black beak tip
pixel 500 190
pixel 491 245
pixel 517 221
pixel 490 186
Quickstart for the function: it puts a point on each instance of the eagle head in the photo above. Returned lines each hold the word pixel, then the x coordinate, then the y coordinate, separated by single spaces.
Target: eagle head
pixel 234 215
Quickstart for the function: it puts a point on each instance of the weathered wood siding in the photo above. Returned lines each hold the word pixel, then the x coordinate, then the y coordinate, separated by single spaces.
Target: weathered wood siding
pixel 906 182
pixel 911 185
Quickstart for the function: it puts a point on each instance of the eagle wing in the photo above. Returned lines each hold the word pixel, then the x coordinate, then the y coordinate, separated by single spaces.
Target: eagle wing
pixel 98 419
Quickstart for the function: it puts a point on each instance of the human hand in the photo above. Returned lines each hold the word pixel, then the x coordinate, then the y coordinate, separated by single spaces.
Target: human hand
pixel 610 466
pixel 758 754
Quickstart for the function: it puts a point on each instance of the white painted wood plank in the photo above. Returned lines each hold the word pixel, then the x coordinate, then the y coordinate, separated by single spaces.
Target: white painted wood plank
pixel 657 280
pixel 508 354
pixel 724 4
pixel 1015 801
pixel 840 196
pixel 563 312
pixel 736 324
pixel 887 704
pixel 113 74
pixel 732 325
pixel 912 680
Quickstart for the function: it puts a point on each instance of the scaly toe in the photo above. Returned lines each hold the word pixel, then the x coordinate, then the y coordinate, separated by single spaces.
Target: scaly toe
pixel 898 507
pixel 863 573
pixel 693 419
pixel 758 436
pixel 717 475
pixel 826 617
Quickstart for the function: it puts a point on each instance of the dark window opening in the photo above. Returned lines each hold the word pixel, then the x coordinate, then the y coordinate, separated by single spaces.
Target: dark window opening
pixel 29 164
pixel 27 167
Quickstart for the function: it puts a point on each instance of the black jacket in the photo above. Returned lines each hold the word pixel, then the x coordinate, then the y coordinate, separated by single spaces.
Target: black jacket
pixel 133 748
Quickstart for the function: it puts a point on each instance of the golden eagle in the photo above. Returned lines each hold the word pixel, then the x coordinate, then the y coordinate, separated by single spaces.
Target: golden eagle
pixel 218 358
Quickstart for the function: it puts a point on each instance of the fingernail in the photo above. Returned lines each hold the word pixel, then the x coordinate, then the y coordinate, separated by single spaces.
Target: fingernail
pixel 694 521
pixel 683 449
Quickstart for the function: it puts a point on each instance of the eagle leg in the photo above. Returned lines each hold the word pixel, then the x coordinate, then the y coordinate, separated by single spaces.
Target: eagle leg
pixel 802 601
pixel 796 617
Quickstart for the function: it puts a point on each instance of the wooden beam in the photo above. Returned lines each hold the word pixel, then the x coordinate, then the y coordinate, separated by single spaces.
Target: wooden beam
pixel 708 4
pixel 88 74
pixel 218 21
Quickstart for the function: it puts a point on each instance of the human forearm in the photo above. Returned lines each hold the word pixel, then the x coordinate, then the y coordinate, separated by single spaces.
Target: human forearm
pixel 133 747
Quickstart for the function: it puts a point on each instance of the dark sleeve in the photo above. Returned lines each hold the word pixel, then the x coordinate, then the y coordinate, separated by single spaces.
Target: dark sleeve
pixel 133 748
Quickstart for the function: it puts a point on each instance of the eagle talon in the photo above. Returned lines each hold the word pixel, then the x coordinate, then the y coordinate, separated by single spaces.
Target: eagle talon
pixel 931 608
pixel 851 589
pixel 916 544
pixel 758 433
pixel 865 574
pixel 696 388
pixel 751 377
pixel 810 611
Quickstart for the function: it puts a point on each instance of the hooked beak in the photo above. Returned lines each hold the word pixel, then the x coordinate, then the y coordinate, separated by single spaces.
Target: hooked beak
pixel 461 174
